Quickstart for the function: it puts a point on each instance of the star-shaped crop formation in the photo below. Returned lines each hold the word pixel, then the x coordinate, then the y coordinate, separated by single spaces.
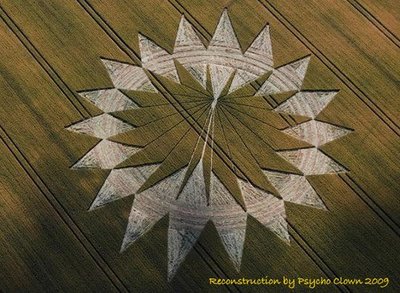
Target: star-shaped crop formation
pixel 194 135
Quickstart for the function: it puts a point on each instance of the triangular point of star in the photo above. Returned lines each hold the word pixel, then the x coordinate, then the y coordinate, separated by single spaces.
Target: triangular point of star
pixel 224 35
pixel 186 36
